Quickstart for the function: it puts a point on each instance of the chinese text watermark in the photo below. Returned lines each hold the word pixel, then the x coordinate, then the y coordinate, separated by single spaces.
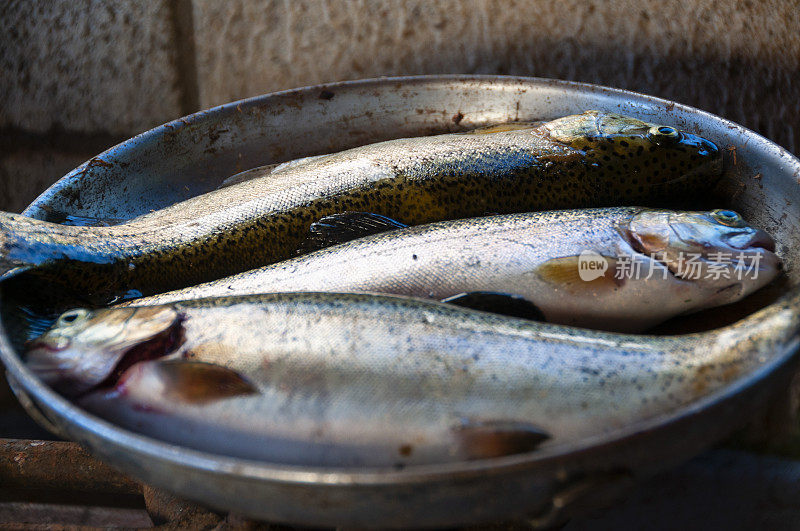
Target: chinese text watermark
pixel 688 266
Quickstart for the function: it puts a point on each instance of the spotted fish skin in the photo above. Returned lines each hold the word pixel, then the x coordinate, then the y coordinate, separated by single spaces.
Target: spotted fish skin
pixel 592 159
pixel 359 380
pixel 519 254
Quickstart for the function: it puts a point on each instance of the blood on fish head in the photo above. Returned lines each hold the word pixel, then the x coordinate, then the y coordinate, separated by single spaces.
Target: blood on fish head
pixel 716 251
pixel 84 348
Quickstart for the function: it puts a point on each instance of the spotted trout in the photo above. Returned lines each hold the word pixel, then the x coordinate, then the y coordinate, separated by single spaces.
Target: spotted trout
pixel 590 159
pixel 373 380
pixel 687 261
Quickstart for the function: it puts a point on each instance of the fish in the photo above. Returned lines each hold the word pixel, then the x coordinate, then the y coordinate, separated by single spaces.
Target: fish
pixel 538 257
pixel 361 380
pixel 590 159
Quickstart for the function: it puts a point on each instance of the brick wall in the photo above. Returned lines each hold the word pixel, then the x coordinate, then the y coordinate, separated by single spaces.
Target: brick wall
pixel 79 76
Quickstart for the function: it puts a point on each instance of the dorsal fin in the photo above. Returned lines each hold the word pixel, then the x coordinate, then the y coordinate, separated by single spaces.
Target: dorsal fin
pixel 344 227
pixel 503 128
pixel 495 302
pixel 248 175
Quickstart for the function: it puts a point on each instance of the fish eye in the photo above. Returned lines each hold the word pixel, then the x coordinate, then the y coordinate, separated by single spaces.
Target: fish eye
pixel 728 217
pixel 72 316
pixel 663 134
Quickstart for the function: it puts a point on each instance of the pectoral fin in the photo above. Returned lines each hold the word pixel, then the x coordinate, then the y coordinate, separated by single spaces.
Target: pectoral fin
pixel 196 382
pixel 581 274
pixel 344 227
pixel 484 439
pixel 503 303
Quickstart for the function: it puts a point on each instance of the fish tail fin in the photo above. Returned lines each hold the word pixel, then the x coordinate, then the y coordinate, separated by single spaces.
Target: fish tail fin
pixel 26 243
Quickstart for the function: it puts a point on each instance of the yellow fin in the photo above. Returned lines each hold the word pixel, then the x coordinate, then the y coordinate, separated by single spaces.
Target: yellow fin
pixel 197 382
pixel 581 274
pixel 484 439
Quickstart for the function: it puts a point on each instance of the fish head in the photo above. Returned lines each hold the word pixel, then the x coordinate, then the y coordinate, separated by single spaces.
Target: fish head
pixel 716 251
pixel 84 348
pixel 638 158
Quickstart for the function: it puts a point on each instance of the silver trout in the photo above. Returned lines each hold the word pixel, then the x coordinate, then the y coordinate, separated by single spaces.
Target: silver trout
pixel 687 261
pixel 373 380
pixel 591 159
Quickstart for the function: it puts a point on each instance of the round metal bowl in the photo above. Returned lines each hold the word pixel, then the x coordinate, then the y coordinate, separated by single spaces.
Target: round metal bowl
pixel 194 154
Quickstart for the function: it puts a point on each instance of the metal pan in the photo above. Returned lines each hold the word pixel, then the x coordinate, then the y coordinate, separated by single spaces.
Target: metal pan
pixel 194 154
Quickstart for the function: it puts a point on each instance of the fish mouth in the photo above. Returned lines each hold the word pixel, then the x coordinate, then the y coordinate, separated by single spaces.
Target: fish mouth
pixel 42 359
pixel 702 147
pixel 49 371
pixel 60 367
pixel 160 345
pixel 38 344
pixel 705 147
pixel 759 240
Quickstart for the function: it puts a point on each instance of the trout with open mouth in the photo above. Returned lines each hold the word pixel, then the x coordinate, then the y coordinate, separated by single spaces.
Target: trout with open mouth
pixel 373 380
